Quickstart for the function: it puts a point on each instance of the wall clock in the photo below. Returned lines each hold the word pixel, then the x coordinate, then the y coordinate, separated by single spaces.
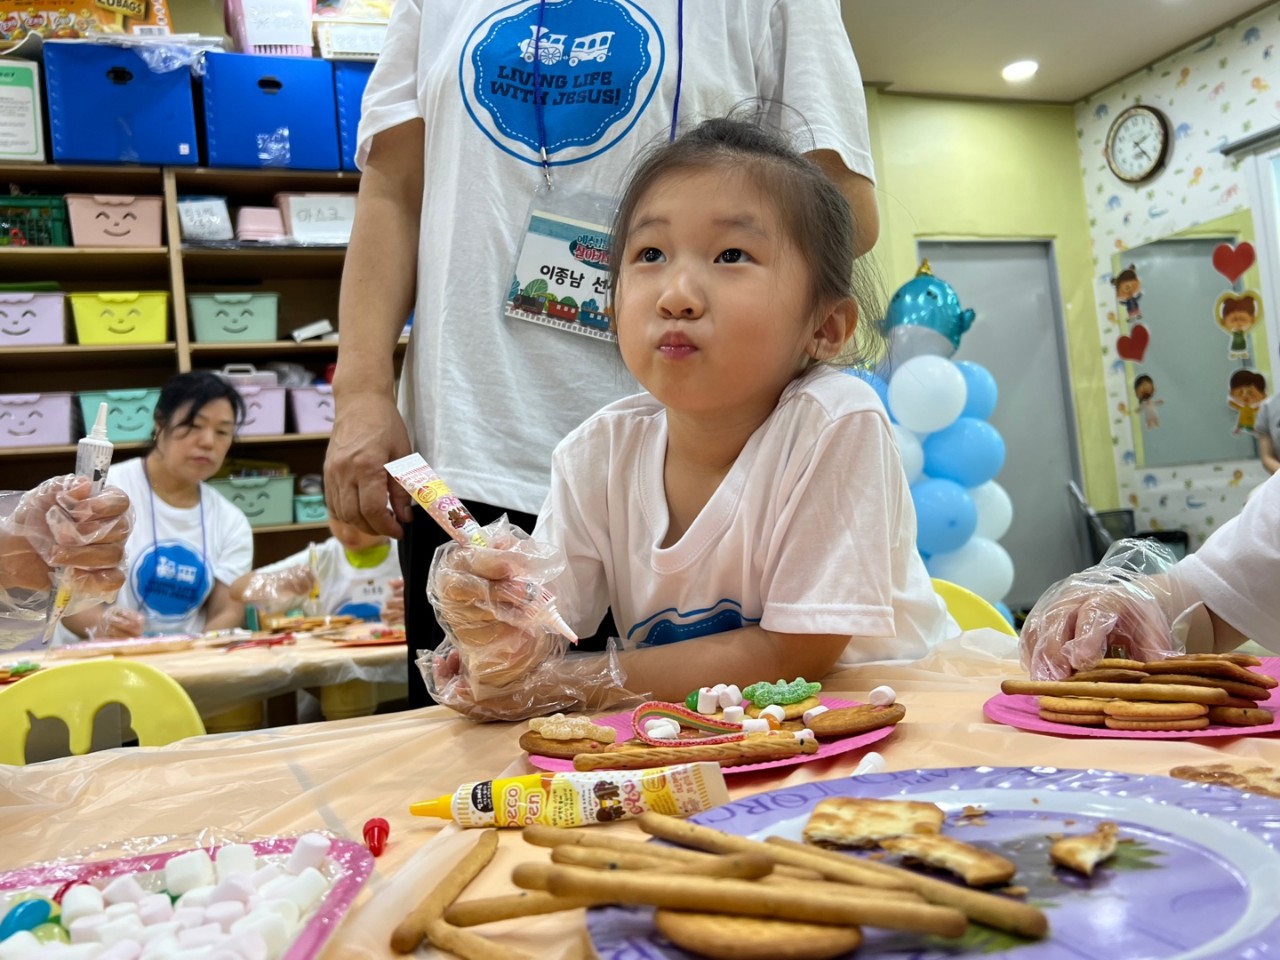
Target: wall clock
pixel 1139 143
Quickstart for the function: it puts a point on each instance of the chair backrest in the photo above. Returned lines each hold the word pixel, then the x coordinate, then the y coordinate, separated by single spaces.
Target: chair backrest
pixel 969 610
pixel 159 709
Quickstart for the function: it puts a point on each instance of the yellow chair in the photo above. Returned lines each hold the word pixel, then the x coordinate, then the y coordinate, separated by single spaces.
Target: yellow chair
pixel 969 610
pixel 160 711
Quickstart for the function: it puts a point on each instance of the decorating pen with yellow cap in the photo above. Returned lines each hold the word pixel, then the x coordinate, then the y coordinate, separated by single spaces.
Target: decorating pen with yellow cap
pixel 93 459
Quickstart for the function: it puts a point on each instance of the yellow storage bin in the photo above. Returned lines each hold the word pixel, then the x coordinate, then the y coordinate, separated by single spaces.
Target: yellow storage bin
pixel 109 318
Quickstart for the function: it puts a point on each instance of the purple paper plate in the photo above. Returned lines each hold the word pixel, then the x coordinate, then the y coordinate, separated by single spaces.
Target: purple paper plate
pixel 1197 881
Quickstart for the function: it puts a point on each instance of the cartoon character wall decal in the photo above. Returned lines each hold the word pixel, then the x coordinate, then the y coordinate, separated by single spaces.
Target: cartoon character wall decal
pixel 1129 291
pixel 1245 392
pixel 1144 388
pixel 1237 314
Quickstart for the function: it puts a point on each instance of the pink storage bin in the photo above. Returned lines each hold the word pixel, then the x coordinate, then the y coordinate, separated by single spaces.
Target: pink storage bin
pixel 264 411
pixel 312 408
pixel 116 220
pixel 32 319
pixel 259 223
pixel 241 24
pixel 35 419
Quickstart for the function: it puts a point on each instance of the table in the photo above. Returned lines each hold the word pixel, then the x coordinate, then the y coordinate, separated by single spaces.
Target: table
pixel 333 776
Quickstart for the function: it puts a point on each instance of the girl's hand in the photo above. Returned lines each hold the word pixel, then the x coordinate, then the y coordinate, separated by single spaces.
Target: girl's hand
pixel 276 589
pixel 118 623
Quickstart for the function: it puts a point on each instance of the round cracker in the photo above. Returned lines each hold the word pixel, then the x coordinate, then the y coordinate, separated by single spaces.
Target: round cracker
pixel 1241 717
pixel 725 937
pixel 849 721
pixel 1075 719
pixel 792 711
pixel 1084 705
pixel 1148 710
pixel 532 742
pixel 1119 723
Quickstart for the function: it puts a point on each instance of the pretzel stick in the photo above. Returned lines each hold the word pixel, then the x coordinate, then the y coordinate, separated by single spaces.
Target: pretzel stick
pixel 472 913
pixel 751 750
pixel 989 908
pixel 736 866
pixel 838 907
pixel 543 836
pixel 1172 692
pixel 426 920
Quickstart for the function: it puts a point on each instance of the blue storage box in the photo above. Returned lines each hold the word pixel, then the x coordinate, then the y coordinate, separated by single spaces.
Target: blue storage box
pixel 350 77
pixel 269 112
pixel 107 106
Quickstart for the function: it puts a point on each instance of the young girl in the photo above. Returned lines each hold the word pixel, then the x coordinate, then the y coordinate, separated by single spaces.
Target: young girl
pixel 748 517
pixel 189 543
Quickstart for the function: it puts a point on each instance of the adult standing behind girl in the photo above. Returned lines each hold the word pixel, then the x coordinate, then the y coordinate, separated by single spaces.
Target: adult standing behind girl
pixel 477 115
pixel 748 517
pixel 188 543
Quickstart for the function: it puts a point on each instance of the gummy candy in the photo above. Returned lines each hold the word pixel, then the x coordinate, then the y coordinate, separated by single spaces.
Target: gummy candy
pixel 763 694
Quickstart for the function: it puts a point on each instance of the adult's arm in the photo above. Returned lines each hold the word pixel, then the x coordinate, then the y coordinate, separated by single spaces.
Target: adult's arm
pixel 861 194
pixel 379 279
pixel 1267 451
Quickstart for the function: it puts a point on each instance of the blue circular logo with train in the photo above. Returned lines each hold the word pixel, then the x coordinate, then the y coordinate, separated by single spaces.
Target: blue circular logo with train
pixel 574 83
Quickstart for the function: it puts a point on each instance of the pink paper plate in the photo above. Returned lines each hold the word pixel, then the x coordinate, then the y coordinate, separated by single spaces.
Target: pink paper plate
pixel 1023 712
pixel 622 723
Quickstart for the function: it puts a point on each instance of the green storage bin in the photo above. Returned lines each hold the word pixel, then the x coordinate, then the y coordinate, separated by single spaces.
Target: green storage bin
pixel 234 317
pixel 130 413
pixel 34 222
pixel 265 501
pixel 310 509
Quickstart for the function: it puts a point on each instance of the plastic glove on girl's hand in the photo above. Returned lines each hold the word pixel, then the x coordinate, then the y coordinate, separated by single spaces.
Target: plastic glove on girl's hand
pixel 58 524
pixel 119 623
pixel 393 608
pixel 277 589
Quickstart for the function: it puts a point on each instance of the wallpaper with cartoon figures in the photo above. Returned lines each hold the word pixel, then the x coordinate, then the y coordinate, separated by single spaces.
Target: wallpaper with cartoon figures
pixel 1218 91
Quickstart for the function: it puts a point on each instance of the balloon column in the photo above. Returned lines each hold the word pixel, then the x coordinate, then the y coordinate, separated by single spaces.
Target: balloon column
pixel 950 452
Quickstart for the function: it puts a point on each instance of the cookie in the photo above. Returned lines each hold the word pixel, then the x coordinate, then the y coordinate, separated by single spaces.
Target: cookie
pixel 560 749
pixel 1234 688
pixel 1120 723
pixel 974 865
pixel 1241 717
pixel 1083 852
pixel 1224 669
pixel 1141 710
pixel 1110 675
pixel 792 711
pixel 849 721
pixel 1118 663
pixel 1083 705
pixel 865 821
pixel 1074 719
pixel 1243 659
pixel 725 937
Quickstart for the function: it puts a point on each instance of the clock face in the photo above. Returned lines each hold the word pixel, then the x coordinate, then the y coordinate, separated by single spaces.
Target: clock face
pixel 1137 144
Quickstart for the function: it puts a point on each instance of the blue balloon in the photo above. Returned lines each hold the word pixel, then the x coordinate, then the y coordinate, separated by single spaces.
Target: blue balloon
pixel 983 392
pixel 1005 612
pixel 925 301
pixel 945 515
pixel 970 452
pixel 877 382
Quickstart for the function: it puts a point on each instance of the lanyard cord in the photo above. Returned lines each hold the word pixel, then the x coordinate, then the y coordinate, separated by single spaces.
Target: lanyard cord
pixel 540 114
pixel 155 529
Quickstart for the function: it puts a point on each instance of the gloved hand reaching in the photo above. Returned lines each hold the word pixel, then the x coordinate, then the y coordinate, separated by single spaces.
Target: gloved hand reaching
pixel 275 589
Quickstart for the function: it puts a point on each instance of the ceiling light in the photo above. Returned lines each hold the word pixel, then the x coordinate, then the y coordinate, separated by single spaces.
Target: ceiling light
pixel 1019 71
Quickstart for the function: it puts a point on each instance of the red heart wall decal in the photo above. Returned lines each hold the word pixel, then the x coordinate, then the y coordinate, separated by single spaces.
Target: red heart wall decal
pixel 1134 346
pixel 1232 262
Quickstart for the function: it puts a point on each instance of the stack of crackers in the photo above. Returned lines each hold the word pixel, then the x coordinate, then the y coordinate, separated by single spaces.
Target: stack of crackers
pixel 1188 692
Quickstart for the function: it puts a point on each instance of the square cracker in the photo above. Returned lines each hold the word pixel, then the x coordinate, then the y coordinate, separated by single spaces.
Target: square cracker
pixel 975 866
pixel 862 822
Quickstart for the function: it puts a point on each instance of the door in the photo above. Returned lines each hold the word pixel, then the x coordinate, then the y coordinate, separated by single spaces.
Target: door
pixel 1017 334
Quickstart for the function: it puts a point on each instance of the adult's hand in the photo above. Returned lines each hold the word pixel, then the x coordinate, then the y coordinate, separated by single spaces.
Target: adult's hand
pixel 368 433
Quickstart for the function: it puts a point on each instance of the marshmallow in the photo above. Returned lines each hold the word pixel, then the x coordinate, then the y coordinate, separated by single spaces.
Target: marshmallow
pixel 265 873
pixel 205 936
pixel 186 917
pixel 76 951
pixel 269 926
pixel 304 889
pixel 237 887
pixel 196 897
pixel 871 763
pixel 734 714
pixel 154 931
pixel 755 725
pixel 19 946
pixel 882 696
pixel 805 734
pixel 161 948
pixel 309 851
pixel 79 901
pixel 662 728
pixel 85 929
pixel 123 889
pixel 122 928
pixel 187 871
pixel 708 700
pixel 813 712
pixel 730 696
pixel 155 908
pixel 775 711
pixel 270 889
pixel 287 909
pixel 235 858
pixel 123 909
pixel 122 950
pixel 224 913
pixel 248 945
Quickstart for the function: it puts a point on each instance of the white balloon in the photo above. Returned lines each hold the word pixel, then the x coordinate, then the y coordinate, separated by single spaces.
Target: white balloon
pixel 995 510
pixel 927 393
pixel 908 340
pixel 981 565
pixel 911 452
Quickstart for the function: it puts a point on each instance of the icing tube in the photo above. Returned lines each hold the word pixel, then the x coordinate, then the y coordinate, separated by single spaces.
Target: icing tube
pixel 580 799
pixel 443 506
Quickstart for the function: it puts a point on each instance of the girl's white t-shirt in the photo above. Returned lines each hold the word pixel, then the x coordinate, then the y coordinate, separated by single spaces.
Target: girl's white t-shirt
pixel 175 555
pixel 345 589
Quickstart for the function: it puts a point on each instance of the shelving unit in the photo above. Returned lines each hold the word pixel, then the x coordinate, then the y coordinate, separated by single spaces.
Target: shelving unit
pixel 307 279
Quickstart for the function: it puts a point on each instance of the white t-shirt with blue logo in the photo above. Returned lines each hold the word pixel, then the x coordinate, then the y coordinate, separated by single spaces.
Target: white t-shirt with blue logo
pixel 172 564
pixel 345 589
pixel 487 398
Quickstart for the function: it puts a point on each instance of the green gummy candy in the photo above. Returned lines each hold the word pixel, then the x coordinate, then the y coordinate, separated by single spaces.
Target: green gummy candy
pixel 691 701
pixel 782 693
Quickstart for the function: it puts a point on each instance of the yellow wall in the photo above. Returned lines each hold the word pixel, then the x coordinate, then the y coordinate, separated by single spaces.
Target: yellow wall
pixel 197 16
pixel 958 169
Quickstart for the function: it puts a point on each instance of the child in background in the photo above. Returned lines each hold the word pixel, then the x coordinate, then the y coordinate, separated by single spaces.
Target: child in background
pixel 748 517
pixel 358 575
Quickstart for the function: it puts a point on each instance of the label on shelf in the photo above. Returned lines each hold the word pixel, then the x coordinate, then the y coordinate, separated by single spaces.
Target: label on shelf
pixel 321 218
